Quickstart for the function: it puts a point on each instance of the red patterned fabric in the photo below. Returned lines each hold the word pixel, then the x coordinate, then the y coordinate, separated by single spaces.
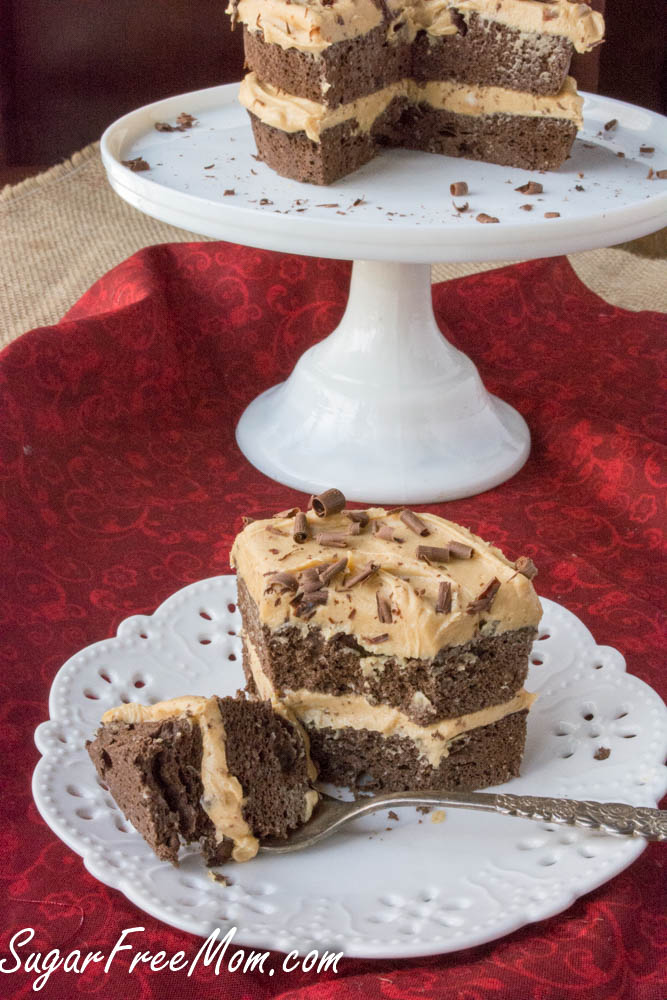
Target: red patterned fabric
pixel 121 482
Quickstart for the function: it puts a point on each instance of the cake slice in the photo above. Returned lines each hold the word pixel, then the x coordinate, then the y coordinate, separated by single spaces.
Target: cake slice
pixel 401 642
pixel 224 772
pixel 333 81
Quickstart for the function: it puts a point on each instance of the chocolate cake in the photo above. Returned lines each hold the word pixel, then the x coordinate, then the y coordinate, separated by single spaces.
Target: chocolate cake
pixel 333 81
pixel 401 642
pixel 221 772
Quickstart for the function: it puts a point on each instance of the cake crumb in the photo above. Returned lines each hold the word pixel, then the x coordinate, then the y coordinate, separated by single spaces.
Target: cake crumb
pixel 439 816
pixel 601 753
pixel 219 878
pixel 137 164
pixel 393 815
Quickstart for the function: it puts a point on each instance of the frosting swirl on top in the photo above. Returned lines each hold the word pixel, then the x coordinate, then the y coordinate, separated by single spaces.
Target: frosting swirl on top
pixel 314 25
pixel 405 583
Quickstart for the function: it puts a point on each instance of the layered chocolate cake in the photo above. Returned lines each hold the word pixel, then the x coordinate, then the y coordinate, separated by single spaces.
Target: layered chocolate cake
pixel 222 772
pixel 401 642
pixel 333 81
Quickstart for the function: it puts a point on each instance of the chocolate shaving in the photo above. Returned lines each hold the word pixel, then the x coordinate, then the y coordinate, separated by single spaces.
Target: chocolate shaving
pixel 306 608
pixel 185 120
pixel 362 575
pixel 136 165
pixel 460 551
pixel 166 127
pixel 275 531
pixel 646 150
pixel 387 532
pixel 610 125
pixel 526 567
pixel 601 753
pixel 292 512
pixel 359 517
pixel 376 638
pixel 301 530
pixel 384 609
pixel 483 217
pixel 526 208
pixel 327 573
pixel 485 599
pixel 354 529
pixel 327 503
pixel 531 187
pixel 458 188
pixel 662 174
pixel 579 187
pixel 334 538
pixel 552 215
pixel 312 573
pixel 311 586
pixel 462 208
pixel 414 523
pixel 443 605
pixel 432 553
pixel 228 192
pixel 286 580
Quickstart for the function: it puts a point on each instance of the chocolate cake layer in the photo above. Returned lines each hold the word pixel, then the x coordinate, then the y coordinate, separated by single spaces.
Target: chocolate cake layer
pixel 487 53
pixel 341 151
pixel 367 760
pixel 483 52
pixel 153 771
pixel 268 756
pixel 486 671
pixel 528 143
pixel 340 74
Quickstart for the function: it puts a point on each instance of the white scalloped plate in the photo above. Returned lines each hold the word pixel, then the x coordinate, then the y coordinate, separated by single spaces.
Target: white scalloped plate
pixel 419 888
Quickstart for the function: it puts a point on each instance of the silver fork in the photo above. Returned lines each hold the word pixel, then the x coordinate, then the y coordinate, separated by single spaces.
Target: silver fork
pixel 616 818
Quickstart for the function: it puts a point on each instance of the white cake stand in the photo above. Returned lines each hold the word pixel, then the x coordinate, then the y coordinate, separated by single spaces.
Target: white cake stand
pixel 385 408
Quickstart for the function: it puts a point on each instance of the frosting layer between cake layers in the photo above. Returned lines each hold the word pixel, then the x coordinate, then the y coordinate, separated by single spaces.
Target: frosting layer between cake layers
pixel 292 114
pixel 321 710
pixel 314 25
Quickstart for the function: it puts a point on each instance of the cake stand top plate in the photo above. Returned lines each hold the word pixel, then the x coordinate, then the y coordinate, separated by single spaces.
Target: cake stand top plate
pixel 406 212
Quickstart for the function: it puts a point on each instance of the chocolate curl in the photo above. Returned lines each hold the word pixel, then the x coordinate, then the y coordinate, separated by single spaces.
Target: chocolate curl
pixel 327 503
pixel 443 605
pixel 309 574
pixel 362 575
pixel 384 609
pixel 460 551
pixel 386 531
pixel 414 523
pixel 526 567
pixel 531 187
pixel 310 586
pixel 286 580
pixel 485 599
pixel 376 638
pixel 432 553
pixel 301 530
pixel 332 538
pixel 354 529
pixel 458 188
pixel 359 516
pixel 292 512
pixel 306 607
pixel 327 573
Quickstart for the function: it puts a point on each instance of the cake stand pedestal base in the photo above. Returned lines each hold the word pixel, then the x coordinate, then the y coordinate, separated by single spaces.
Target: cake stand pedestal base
pixel 385 408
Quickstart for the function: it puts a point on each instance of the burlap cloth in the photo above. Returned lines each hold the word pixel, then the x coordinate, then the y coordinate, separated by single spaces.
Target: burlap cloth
pixel 65 228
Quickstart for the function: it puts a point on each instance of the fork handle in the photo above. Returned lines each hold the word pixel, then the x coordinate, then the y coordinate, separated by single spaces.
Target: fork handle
pixel 612 817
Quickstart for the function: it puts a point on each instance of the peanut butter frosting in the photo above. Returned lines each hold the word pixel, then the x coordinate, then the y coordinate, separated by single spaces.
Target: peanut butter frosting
pixel 328 711
pixel 288 113
pixel 396 598
pixel 313 25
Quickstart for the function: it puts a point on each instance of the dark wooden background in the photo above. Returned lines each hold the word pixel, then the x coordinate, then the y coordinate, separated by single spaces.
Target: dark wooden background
pixel 68 68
